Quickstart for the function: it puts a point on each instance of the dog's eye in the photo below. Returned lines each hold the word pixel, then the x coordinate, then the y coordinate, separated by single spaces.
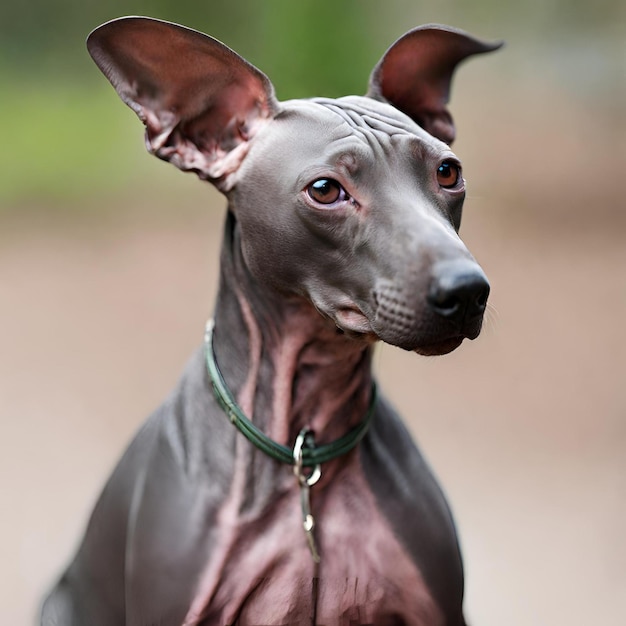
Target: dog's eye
pixel 449 174
pixel 326 191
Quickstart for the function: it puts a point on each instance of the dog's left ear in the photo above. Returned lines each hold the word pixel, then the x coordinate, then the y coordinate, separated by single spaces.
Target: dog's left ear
pixel 415 74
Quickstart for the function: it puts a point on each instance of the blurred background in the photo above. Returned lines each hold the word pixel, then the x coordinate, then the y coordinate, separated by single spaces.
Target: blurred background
pixel 108 262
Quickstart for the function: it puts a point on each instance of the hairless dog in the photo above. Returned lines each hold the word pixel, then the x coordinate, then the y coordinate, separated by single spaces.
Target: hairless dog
pixel 341 230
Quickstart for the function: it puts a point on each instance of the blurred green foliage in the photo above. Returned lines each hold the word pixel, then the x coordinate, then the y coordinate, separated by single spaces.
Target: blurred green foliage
pixel 64 135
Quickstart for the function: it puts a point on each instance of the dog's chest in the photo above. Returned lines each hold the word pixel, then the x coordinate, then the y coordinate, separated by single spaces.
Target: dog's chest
pixel 365 576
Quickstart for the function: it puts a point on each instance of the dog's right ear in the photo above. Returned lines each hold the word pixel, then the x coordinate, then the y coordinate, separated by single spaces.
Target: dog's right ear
pixel 201 103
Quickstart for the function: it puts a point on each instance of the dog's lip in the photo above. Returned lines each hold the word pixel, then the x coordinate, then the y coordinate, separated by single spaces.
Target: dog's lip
pixel 351 319
pixel 440 348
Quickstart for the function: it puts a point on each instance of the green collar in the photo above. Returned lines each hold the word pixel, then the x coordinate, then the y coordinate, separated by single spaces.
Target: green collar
pixel 311 455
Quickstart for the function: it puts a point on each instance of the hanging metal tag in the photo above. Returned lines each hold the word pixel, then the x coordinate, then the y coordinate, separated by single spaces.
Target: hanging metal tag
pixel 306 481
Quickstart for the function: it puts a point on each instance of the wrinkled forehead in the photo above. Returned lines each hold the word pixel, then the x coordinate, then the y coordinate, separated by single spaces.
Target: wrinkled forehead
pixel 364 114
pixel 358 120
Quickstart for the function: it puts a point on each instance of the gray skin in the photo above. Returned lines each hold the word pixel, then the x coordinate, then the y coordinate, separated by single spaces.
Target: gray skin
pixel 198 527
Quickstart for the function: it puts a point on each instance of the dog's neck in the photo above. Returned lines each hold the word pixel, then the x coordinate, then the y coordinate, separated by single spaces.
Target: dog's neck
pixel 286 365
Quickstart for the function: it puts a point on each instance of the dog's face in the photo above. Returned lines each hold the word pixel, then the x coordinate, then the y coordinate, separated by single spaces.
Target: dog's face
pixel 353 203
pixel 364 211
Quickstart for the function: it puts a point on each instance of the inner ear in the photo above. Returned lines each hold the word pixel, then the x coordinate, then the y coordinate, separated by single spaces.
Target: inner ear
pixel 201 103
pixel 415 74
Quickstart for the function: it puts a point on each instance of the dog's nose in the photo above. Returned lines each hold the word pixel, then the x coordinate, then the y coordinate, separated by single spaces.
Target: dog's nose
pixel 459 291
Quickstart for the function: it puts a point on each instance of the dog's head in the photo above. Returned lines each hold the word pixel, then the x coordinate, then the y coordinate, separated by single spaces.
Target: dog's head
pixel 354 203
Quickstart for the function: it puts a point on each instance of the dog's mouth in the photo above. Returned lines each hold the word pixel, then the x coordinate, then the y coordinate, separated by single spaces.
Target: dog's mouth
pixel 352 321
pixel 440 348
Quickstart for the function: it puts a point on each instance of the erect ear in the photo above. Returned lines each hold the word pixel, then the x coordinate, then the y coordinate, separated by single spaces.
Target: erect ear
pixel 201 102
pixel 415 74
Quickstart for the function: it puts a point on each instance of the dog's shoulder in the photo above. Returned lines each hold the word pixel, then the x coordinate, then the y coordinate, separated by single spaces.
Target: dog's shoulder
pixel 414 504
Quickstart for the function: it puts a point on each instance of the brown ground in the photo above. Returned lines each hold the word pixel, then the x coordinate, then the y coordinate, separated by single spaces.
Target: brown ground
pixel 526 427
